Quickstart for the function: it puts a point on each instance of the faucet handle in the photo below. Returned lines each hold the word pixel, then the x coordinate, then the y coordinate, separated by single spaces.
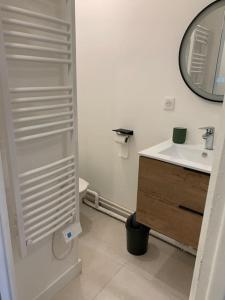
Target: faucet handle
pixel 209 129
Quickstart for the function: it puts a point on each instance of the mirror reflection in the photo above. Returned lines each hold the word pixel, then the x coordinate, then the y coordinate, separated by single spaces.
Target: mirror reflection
pixel 202 53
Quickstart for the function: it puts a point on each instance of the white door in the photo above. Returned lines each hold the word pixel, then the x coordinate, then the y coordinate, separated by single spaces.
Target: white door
pixel 4 277
pixel 209 275
pixel 7 283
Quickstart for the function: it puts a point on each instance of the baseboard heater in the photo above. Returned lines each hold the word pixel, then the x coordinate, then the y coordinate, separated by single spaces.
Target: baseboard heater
pixel 94 200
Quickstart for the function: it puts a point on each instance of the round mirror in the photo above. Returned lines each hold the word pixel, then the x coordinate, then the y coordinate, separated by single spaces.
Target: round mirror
pixel 202 53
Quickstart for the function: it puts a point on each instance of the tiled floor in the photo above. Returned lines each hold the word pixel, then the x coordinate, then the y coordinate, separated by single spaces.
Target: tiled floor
pixel 111 273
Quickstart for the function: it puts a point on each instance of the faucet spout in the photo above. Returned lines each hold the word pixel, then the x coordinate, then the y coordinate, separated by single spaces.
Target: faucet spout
pixel 209 137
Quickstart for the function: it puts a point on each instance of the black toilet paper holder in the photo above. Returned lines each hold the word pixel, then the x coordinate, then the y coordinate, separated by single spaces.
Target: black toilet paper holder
pixel 122 131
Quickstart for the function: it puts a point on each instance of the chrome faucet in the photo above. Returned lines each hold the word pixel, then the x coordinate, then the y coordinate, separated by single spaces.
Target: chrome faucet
pixel 208 137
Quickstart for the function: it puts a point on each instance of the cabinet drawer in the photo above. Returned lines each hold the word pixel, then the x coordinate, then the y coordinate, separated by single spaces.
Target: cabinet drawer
pixel 174 222
pixel 172 184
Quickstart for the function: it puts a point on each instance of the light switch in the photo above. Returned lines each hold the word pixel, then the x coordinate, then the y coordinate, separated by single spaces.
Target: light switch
pixel 169 103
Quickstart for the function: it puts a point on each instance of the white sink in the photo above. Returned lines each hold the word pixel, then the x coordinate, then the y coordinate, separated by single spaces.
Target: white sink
pixel 189 156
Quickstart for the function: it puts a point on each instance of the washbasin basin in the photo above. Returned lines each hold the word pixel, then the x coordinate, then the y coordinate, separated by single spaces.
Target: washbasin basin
pixel 189 156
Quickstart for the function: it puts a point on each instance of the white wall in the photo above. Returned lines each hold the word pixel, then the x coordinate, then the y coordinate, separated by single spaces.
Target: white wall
pixel 127 59
pixel 39 270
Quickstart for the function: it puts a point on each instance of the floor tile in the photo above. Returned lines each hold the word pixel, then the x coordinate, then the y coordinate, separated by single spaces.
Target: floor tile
pixel 98 268
pixel 177 272
pixel 154 260
pixel 129 285
pixel 98 272
pixel 109 235
pixel 110 272
pixel 73 291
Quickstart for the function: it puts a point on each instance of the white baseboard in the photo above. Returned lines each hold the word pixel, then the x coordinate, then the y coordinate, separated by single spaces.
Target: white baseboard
pixel 60 282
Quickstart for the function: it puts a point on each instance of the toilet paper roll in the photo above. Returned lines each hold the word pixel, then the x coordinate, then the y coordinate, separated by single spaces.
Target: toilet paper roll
pixel 121 139
pixel 123 151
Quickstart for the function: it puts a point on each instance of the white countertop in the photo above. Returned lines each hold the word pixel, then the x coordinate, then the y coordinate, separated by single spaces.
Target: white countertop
pixel 189 156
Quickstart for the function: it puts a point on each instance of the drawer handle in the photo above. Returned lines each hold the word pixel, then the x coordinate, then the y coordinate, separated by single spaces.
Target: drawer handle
pixel 190 210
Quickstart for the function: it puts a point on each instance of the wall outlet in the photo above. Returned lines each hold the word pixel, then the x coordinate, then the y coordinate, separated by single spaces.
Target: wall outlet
pixel 169 103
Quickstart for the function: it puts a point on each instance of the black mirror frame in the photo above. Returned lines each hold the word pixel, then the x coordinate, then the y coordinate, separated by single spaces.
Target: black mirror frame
pixel 217 98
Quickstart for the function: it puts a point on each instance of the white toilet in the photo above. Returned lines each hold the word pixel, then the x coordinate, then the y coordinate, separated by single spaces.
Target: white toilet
pixel 83 186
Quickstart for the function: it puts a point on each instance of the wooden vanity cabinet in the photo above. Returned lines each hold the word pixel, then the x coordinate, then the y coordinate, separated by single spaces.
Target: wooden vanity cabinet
pixel 171 200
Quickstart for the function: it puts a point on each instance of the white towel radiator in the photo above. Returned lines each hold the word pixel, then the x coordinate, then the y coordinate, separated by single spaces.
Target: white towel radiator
pixel 199 45
pixel 46 196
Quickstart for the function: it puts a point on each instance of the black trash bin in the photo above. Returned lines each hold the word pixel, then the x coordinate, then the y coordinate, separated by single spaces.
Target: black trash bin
pixel 137 236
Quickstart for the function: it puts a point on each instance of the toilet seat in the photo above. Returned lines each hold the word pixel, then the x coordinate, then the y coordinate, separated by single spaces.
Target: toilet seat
pixel 83 185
